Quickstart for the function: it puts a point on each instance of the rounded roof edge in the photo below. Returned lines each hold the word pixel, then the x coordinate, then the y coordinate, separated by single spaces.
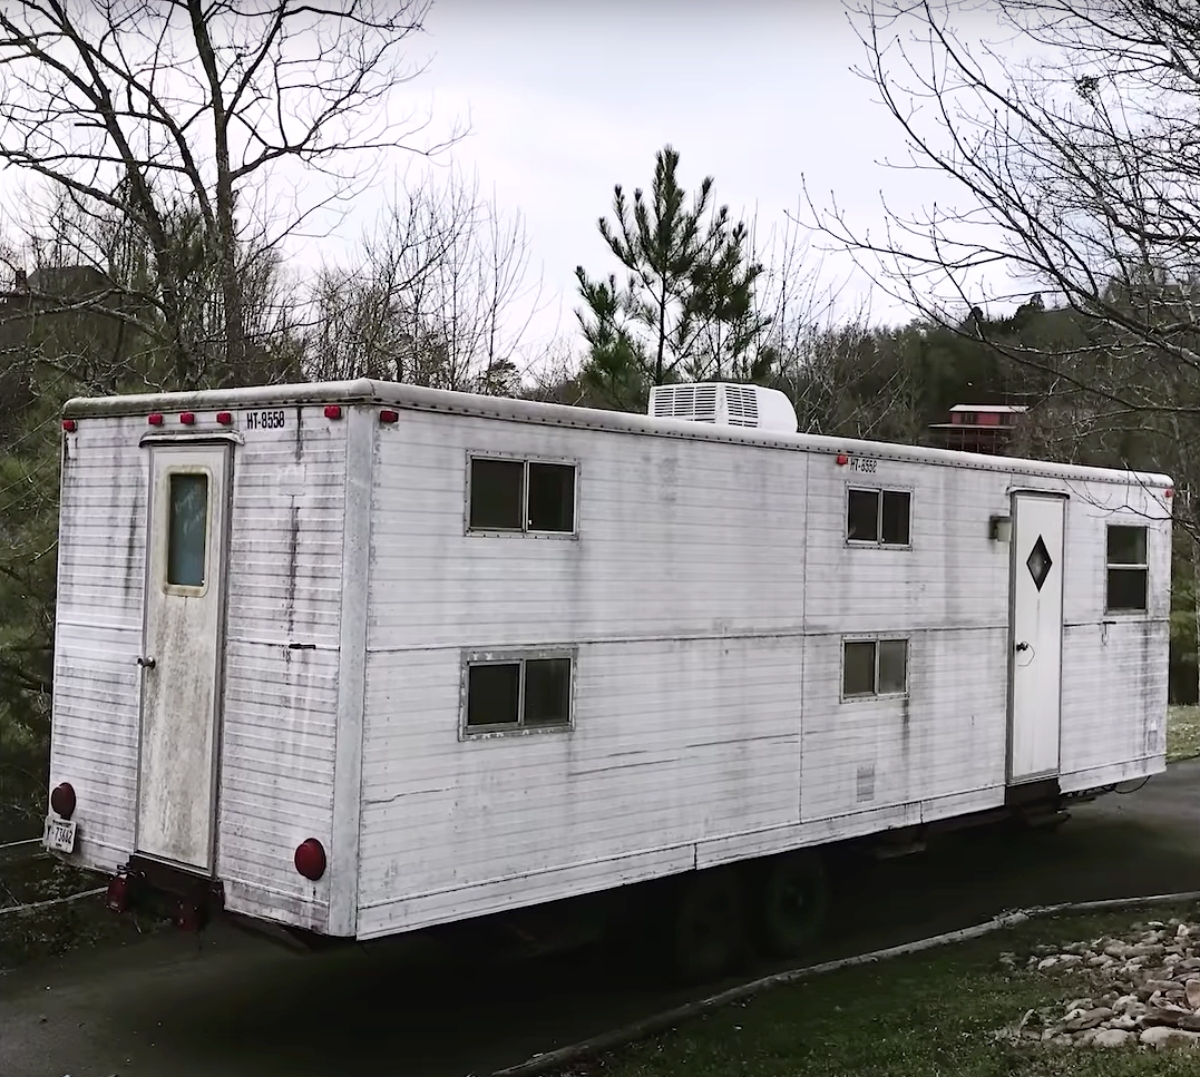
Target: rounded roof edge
pixel 420 398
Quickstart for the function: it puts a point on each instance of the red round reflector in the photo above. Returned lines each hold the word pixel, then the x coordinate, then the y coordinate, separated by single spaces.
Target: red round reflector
pixel 225 417
pixel 187 418
pixel 69 425
pixel 842 459
pixel 310 859
pixel 62 800
pixel 386 416
pixel 333 411
pixel 155 419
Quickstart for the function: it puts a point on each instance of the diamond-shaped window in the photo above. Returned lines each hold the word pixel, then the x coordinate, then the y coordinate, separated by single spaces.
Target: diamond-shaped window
pixel 1039 563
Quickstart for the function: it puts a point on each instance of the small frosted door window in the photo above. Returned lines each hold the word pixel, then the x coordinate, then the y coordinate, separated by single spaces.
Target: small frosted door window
pixel 187 530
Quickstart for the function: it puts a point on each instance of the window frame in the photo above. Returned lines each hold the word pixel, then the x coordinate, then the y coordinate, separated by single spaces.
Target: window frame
pixel 525 531
pixel 876 639
pixel 1142 567
pixel 164 528
pixel 876 543
pixel 506 657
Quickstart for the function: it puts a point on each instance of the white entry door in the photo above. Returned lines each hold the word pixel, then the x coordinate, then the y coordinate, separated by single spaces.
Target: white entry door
pixel 1035 656
pixel 181 652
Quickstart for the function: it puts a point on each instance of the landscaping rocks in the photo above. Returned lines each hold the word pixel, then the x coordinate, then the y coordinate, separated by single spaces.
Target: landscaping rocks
pixel 1143 991
pixel 1168 1037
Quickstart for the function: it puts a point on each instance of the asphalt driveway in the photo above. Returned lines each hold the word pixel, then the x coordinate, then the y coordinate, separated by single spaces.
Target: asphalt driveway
pixel 239 1006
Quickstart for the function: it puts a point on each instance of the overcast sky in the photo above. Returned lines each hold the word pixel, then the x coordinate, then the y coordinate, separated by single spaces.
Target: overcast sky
pixel 567 98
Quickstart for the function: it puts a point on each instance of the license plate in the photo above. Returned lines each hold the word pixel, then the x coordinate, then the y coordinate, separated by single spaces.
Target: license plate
pixel 60 835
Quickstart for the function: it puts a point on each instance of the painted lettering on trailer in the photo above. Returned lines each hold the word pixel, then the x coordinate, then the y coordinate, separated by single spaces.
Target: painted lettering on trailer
pixel 859 464
pixel 264 420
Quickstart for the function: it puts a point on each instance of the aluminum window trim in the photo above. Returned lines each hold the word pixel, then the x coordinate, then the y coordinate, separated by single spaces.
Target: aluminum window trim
pixel 164 528
pixel 506 656
pixel 875 638
pixel 876 543
pixel 1127 566
pixel 524 531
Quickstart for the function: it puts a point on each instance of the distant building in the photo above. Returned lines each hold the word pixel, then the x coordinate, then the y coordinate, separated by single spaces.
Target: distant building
pixel 983 428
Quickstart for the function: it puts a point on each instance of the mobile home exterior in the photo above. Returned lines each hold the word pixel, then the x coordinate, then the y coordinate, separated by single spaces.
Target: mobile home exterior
pixel 364 658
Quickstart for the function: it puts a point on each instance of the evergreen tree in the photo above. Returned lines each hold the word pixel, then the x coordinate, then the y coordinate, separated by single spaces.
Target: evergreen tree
pixel 686 306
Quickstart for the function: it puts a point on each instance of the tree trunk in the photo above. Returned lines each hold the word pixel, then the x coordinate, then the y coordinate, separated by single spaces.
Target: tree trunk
pixel 226 230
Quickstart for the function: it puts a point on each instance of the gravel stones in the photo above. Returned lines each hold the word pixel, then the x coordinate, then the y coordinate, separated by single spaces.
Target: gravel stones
pixel 1143 991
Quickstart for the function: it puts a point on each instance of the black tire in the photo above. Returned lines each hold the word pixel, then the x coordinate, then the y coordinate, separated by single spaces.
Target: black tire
pixel 792 903
pixel 708 935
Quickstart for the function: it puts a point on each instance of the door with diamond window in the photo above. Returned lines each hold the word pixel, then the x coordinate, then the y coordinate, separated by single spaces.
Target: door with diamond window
pixel 1035 637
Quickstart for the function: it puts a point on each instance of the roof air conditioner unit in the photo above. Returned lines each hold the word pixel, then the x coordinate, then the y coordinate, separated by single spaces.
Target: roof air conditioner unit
pixel 725 404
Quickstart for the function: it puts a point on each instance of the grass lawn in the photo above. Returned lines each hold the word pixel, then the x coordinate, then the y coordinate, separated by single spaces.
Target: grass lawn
pixel 918 1016
pixel 1183 733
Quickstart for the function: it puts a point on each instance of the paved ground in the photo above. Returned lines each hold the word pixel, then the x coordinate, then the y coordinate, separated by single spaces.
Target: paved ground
pixel 242 1007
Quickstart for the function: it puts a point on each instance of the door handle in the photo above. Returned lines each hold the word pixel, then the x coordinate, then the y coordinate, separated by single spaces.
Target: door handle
pixel 1022 646
pixel 145 663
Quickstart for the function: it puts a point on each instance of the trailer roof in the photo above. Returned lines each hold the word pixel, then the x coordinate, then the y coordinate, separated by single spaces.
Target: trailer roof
pixel 418 398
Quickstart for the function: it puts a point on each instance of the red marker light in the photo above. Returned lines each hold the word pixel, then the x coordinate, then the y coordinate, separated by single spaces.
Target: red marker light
pixel 62 800
pixel 187 418
pixel 842 459
pixel 386 416
pixel 225 418
pixel 69 425
pixel 155 420
pixel 310 859
pixel 333 411
pixel 1169 492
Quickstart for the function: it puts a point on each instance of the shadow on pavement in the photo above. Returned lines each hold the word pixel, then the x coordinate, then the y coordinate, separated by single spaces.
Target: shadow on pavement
pixel 249 1008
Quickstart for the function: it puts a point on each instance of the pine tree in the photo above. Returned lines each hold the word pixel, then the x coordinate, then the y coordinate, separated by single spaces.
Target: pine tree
pixel 686 306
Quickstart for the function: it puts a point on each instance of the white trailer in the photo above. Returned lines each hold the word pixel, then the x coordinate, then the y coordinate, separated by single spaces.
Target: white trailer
pixel 362 658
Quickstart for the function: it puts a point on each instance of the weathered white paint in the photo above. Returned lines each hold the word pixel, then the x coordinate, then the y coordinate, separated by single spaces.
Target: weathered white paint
pixel 707 593
pixel 1037 634
pixel 281 694
pixel 177 758
pixel 281 637
pixel 348 762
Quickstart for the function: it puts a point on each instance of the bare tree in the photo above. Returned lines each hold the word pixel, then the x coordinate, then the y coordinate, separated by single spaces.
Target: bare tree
pixel 157 112
pixel 1077 179
pixel 440 295
pixel 82 268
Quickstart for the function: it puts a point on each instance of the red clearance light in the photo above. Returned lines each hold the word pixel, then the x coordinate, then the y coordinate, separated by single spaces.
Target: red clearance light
pixel 387 416
pixel 225 418
pixel 187 418
pixel 1169 492
pixel 333 411
pixel 310 859
pixel 155 420
pixel 69 425
pixel 842 459
pixel 62 800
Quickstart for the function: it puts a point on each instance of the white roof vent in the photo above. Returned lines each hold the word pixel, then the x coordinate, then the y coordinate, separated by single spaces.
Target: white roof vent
pixel 725 404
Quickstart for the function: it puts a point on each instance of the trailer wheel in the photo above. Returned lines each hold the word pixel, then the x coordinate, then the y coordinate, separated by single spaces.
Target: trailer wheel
pixel 793 900
pixel 708 935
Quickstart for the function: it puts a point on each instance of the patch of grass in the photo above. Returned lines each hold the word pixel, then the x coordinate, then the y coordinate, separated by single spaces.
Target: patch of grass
pixel 47 932
pixel 917 1016
pixel 1183 733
